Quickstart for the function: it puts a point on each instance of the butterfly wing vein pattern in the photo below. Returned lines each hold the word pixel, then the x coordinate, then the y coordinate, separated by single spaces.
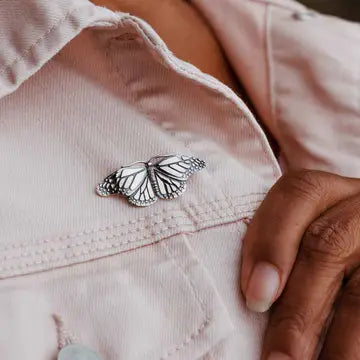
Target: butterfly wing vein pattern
pixel 144 194
pixel 162 177
pixel 124 181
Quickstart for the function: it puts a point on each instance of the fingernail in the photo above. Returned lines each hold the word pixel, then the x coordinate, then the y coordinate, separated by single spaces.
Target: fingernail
pixel 262 287
pixel 278 356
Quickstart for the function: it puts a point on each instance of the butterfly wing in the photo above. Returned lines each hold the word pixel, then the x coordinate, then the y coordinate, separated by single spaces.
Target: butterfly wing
pixel 124 181
pixel 169 174
pixel 144 195
pixel 167 187
pixel 179 167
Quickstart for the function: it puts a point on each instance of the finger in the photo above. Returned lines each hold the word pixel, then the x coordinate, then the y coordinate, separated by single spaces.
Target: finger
pixel 329 251
pixel 343 341
pixel 271 243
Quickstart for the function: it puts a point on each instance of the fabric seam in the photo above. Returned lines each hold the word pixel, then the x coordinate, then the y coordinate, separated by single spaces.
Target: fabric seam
pixel 94 240
pixel 207 320
pixel 169 56
pixel 215 85
pixel 188 340
pixel 47 32
pixel 296 7
pixel 11 246
pixel 156 122
pixel 98 241
pixel 101 240
pixel 270 65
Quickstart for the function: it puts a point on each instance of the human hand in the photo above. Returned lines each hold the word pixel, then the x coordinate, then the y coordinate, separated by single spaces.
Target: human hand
pixel 302 250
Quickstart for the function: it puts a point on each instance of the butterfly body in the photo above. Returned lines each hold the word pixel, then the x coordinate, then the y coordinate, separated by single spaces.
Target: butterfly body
pixel 143 183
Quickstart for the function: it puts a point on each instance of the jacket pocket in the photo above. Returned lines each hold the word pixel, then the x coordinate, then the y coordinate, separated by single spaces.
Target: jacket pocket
pixel 154 302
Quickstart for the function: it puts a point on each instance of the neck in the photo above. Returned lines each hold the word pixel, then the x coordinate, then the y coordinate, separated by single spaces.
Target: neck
pixel 184 31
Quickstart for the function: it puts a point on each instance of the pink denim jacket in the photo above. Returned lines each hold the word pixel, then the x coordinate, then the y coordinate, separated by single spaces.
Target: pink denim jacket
pixel 84 90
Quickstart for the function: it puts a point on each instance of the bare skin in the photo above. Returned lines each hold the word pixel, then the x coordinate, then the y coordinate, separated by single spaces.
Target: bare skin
pixel 307 231
pixel 184 31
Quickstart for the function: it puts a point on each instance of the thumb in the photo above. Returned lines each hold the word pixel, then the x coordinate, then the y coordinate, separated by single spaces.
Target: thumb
pixel 273 238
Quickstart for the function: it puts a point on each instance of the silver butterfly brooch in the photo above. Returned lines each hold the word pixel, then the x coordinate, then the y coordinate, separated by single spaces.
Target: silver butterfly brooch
pixel 144 182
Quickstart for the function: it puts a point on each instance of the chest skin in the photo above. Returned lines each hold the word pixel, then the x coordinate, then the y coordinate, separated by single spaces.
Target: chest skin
pixel 184 31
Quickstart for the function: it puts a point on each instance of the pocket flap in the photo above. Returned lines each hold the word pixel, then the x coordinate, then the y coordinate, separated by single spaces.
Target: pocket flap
pixel 155 302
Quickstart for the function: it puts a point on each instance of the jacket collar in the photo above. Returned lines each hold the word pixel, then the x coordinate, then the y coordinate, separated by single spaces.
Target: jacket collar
pixel 33 31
